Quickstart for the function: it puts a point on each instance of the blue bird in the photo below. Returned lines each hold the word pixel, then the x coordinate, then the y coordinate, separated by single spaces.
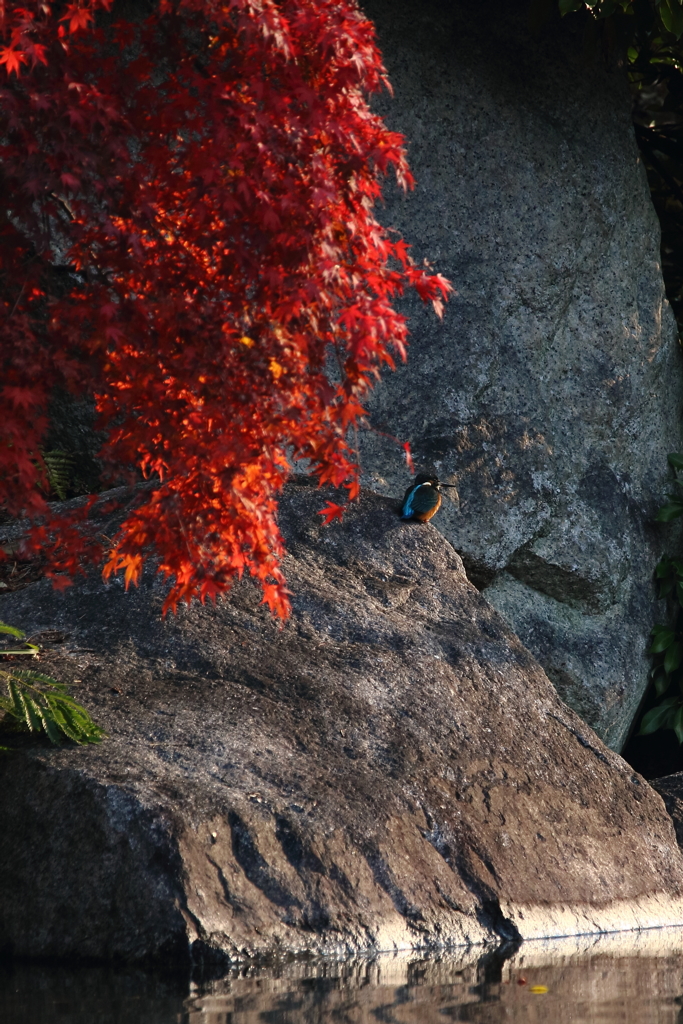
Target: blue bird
pixel 422 500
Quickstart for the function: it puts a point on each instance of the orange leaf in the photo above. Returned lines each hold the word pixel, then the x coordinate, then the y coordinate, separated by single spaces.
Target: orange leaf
pixel 275 596
pixel 12 59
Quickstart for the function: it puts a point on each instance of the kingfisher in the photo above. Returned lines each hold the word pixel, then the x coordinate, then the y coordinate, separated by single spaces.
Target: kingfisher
pixel 422 500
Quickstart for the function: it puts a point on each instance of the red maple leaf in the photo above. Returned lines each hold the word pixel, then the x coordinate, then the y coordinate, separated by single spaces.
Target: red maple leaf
pixel 79 18
pixel 12 59
pixel 409 457
pixel 332 511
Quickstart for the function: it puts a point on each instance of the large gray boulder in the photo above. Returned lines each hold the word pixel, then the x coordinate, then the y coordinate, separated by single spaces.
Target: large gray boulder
pixel 551 393
pixel 391 768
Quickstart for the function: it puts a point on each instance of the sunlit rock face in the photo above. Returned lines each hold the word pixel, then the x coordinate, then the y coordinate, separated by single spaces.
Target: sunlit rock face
pixel 551 392
pixel 388 769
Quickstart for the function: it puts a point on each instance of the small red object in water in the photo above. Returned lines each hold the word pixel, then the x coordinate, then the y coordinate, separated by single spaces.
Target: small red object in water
pixel 521 981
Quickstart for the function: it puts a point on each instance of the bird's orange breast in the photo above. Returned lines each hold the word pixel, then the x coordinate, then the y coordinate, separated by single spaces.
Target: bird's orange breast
pixel 424 517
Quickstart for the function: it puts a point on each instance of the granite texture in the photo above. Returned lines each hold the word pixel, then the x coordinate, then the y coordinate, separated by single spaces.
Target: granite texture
pixel 670 788
pixel 389 769
pixel 551 392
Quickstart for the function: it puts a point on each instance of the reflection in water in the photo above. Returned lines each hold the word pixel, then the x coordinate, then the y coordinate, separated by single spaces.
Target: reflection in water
pixel 614 980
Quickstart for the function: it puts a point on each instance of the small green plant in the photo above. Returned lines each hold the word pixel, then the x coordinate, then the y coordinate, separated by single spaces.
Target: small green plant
pixel 41 704
pixel 26 647
pixel 60 468
pixel 667 641
pixel 66 474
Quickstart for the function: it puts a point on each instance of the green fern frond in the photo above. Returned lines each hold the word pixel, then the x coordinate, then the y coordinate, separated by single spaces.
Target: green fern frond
pixel 60 466
pixel 41 704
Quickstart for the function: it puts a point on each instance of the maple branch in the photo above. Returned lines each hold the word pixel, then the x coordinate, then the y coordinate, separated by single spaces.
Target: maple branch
pixel 14 307
pixel 63 203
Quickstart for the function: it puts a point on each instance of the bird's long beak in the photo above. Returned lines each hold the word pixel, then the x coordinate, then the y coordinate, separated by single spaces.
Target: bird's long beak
pixel 448 485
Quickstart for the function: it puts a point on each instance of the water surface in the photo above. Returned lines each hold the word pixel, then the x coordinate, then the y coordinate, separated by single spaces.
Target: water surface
pixel 634 979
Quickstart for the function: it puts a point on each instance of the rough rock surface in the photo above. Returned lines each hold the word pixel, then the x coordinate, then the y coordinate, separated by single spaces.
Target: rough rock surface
pixel 391 768
pixel 551 392
pixel 670 788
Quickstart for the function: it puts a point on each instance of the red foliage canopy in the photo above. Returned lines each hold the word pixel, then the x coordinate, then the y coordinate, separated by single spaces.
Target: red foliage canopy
pixel 187 234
